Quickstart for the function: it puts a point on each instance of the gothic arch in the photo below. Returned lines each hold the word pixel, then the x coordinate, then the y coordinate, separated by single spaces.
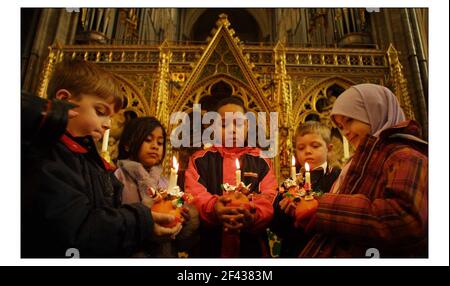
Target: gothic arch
pixel 133 99
pixel 237 71
pixel 134 105
pixel 307 105
pixel 261 16
pixel 203 88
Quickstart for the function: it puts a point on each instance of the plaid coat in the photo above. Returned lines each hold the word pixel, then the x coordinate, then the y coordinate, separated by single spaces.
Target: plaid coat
pixel 382 202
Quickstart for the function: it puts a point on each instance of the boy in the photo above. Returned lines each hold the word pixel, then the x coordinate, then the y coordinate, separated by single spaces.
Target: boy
pixel 208 169
pixel 70 199
pixel 312 145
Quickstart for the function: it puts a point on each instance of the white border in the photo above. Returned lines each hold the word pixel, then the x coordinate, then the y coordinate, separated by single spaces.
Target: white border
pixel 438 130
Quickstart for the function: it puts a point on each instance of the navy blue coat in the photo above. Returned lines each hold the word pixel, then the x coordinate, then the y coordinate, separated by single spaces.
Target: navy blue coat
pixel 71 200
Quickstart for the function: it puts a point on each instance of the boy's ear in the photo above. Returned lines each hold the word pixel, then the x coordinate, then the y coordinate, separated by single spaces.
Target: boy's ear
pixel 63 94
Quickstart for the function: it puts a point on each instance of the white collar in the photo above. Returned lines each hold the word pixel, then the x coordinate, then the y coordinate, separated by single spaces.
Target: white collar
pixel 324 166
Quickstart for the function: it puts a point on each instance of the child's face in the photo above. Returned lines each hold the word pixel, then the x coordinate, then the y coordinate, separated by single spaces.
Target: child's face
pixel 93 116
pixel 237 127
pixel 311 148
pixel 151 151
pixel 353 129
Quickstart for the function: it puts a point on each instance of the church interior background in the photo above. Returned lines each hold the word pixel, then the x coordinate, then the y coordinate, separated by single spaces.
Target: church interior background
pixel 292 61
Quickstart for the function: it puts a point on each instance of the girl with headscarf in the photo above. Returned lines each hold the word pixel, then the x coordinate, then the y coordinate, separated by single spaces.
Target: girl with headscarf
pixel 380 201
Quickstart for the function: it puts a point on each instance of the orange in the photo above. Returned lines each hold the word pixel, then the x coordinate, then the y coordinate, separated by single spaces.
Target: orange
pixel 238 199
pixel 305 208
pixel 166 207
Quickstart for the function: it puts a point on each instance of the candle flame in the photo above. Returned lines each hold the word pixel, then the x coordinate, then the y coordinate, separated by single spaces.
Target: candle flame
pixel 307 167
pixel 238 166
pixel 293 161
pixel 175 164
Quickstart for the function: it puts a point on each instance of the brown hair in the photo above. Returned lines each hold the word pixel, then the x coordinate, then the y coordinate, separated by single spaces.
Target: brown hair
pixel 314 127
pixel 82 77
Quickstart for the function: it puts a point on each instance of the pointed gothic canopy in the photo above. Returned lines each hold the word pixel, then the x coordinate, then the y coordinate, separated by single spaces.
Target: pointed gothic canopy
pixel 223 58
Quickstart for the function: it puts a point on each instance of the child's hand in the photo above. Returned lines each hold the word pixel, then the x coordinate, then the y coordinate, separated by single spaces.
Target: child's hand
pixel 226 215
pixel 233 223
pixel 304 211
pixel 288 206
pixel 148 201
pixel 185 214
pixel 164 232
pixel 248 215
pixel 191 222
pixel 160 231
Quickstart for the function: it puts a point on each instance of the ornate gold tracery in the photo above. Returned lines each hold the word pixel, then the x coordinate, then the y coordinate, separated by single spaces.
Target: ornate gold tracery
pixel 307 104
pixel 159 80
pixel 224 58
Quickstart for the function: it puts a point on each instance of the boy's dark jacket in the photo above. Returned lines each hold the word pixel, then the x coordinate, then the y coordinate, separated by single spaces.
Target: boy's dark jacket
pixel 71 200
pixel 43 121
pixel 293 240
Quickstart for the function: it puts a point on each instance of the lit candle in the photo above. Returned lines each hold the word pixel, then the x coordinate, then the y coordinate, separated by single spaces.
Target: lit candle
pixel 307 177
pixel 345 147
pixel 173 174
pixel 105 140
pixel 238 172
pixel 293 171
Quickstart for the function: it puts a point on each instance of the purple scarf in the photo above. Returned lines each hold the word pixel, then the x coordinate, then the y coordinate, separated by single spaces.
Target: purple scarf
pixel 370 103
pixel 373 104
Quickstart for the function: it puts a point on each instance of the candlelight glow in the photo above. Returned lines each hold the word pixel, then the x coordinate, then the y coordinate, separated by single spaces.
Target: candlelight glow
pixel 293 171
pixel 238 166
pixel 175 164
pixel 105 140
pixel 307 167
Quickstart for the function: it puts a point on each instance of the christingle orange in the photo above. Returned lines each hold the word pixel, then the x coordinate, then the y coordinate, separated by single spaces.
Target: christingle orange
pixel 171 203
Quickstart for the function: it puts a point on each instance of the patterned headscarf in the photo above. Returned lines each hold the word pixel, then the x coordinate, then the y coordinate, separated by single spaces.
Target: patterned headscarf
pixel 373 104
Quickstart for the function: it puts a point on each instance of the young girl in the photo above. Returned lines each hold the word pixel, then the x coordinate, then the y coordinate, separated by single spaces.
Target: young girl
pixel 380 200
pixel 142 148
